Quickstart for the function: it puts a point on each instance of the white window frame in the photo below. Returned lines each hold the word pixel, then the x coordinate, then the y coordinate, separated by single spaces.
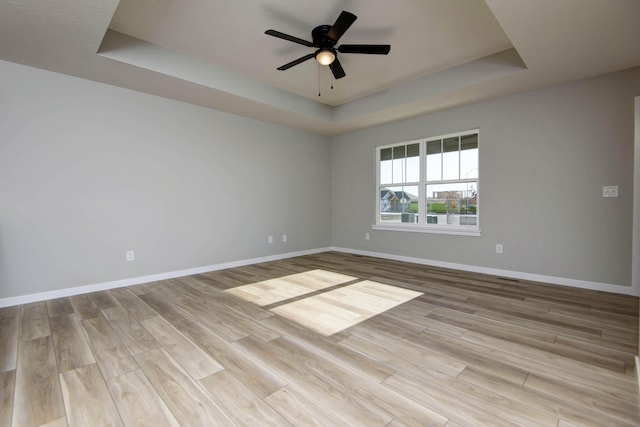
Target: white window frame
pixel 420 226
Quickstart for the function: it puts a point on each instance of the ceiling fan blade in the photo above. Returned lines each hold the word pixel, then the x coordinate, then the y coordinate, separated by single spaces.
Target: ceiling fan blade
pixel 296 62
pixel 337 70
pixel 342 24
pixel 280 35
pixel 371 49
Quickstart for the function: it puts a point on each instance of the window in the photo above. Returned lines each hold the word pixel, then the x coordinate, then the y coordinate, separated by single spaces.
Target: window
pixel 429 185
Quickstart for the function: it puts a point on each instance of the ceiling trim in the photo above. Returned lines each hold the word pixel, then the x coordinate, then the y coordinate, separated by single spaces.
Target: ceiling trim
pixel 141 54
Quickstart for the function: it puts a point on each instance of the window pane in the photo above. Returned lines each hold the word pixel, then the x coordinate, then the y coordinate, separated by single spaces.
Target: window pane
pixel 413 150
pixel 434 147
pixel 450 144
pixel 399 204
pixel 469 156
pixel 452 204
pixel 399 152
pixel 413 169
pixel 413 163
pixel 469 163
pixel 385 154
pixel 434 160
pixel 398 171
pixel 451 158
pixel 385 172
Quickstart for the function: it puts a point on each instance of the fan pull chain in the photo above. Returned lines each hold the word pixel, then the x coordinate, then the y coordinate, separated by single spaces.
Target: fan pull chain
pixel 320 79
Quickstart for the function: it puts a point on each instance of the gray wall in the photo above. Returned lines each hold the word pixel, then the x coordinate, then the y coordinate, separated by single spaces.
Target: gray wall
pixel 88 171
pixel 544 157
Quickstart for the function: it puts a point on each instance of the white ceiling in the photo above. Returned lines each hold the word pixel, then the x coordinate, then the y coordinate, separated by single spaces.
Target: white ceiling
pixel 444 53
pixel 231 35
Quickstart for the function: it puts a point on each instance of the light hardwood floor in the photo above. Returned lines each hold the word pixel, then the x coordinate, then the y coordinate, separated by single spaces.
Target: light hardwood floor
pixel 468 350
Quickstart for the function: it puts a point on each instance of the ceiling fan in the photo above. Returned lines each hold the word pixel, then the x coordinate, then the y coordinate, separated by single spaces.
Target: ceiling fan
pixel 324 39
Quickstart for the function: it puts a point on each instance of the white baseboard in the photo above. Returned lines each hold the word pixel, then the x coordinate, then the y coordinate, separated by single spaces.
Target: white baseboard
pixel 605 287
pixel 43 296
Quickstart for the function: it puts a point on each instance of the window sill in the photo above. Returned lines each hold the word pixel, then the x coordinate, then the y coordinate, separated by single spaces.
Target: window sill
pixel 423 229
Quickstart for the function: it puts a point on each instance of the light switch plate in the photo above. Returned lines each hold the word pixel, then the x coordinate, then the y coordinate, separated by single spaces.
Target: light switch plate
pixel 610 191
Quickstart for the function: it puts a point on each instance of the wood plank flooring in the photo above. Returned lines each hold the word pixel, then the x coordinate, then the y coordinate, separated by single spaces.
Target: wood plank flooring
pixel 466 350
pixel 333 311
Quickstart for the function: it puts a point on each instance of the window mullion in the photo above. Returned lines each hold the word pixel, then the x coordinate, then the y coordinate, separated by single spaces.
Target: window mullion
pixel 422 206
pixel 441 159
pixel 459 158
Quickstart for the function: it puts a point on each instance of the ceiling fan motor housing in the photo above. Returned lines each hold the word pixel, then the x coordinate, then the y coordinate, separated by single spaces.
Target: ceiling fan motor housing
pixel 320 39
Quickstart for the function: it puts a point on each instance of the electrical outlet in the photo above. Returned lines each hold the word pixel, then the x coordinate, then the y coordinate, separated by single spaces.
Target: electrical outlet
pixel 270 240
pixel 130 255
pixel 367 236
pixel 284 237
pixel 499 248
pixel 610 191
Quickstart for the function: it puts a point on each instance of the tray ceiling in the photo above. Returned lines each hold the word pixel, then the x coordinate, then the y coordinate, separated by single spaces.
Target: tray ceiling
pixel 215 54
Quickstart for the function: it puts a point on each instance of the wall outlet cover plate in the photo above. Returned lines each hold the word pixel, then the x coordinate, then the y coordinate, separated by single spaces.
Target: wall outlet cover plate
pixel 610 191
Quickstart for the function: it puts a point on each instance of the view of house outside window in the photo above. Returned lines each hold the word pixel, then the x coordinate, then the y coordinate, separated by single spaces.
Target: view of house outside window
pixel 431 184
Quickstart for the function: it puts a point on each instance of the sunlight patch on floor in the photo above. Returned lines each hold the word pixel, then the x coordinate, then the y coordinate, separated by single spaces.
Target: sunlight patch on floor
pixel 283 288
pixel 336 310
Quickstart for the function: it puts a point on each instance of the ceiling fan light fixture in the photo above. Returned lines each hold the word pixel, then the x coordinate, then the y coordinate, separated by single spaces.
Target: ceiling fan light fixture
pixel 325 57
